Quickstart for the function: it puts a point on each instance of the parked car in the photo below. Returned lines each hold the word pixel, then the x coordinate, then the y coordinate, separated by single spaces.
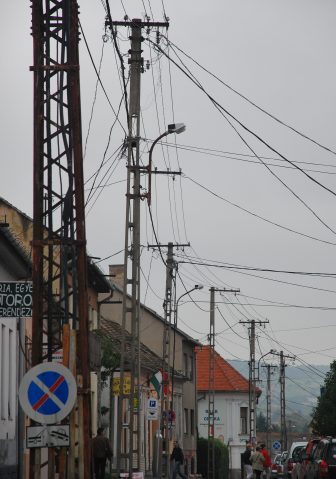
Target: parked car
pixel 293 457
pixel 323 462
pixel 275 465
pixel 296 472
pixel 306 458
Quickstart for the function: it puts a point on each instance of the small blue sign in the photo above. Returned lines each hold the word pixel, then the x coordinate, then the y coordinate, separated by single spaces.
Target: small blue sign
pixel 276 445
pixel 48 402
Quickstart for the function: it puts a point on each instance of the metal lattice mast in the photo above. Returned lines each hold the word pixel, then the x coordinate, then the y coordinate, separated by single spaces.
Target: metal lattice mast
pixel 253 375
pixel 282 380
pixel 59 240
pixel 211 392
pixel 269 368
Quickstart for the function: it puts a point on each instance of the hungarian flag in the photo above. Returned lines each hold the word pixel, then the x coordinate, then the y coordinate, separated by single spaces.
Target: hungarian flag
pixel 156 380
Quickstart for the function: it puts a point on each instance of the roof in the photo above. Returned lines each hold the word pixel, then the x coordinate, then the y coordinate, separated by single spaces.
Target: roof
pixel 96 277
pixel 227 378
pixel 186 336
pixel 148 359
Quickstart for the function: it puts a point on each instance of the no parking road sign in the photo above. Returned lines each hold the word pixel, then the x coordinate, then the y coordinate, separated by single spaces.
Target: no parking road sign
pixel 48 393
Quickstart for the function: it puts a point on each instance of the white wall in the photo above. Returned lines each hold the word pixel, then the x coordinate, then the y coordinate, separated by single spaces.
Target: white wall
pixel 227 422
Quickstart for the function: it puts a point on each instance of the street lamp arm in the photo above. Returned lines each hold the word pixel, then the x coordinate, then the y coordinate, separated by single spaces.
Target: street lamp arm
pixel 272 351
pixel 149 196
pixel 173 128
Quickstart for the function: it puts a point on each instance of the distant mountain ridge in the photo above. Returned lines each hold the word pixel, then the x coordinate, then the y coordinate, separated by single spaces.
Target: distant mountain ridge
pixel 302 388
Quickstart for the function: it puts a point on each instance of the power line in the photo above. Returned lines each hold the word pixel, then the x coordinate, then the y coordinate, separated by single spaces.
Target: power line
pixel 223 110
pixel 291 230
pixel 250 101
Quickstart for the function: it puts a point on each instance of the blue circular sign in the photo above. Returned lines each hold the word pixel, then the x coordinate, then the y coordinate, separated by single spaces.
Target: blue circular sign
pixel 48 393
pixel 276 445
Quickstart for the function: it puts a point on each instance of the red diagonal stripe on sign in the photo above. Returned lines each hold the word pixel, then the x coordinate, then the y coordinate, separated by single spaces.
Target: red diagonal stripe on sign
pixel 45 396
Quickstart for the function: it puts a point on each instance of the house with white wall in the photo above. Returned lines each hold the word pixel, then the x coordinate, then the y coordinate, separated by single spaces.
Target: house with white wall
pixel 231 405
pixel 14 266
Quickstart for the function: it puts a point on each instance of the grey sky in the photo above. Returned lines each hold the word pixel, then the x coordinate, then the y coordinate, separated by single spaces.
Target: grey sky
pixel 279 54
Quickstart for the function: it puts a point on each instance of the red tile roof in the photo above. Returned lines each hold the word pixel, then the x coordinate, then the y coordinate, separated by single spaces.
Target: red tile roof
pixel 227 378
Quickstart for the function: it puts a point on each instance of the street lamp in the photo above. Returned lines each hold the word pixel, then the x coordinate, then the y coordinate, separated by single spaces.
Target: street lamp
pixel 272 351
pixel 172 128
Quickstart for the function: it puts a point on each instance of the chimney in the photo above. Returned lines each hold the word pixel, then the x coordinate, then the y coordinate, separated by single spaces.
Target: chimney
pixel 116 272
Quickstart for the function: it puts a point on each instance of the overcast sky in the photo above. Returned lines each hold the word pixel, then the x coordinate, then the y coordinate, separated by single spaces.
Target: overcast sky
pixel 278 54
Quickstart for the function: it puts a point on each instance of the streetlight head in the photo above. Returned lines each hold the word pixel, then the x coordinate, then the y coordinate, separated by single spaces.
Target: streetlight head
pixel 176 128
pixel 199 286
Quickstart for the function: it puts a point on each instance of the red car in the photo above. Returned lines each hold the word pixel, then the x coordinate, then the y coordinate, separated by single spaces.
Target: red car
pixel 306 458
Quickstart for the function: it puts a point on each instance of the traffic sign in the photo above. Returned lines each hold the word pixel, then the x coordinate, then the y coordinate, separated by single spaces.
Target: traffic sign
pixel 152 409
pixel 48 393
pixel 48 436
pixel 276 445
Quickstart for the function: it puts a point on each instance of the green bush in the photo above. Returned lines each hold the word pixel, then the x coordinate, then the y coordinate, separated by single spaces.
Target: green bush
pixel 221 459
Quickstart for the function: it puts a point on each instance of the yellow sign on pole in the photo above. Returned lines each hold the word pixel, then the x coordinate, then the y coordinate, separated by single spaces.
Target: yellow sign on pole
pixel 116 386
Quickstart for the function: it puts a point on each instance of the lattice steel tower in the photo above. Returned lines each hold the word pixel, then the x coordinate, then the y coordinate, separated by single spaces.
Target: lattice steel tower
pixel 60 301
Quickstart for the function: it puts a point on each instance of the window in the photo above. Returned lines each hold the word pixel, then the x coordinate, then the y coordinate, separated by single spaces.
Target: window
pixel 192 422
pixel 11 378
pixel 185 364
pixel 191 368
pixel 3 378
pixel 186 422
pixel 243 420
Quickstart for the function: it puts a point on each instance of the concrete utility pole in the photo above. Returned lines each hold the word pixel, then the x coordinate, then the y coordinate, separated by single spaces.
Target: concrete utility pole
pixel 269 368
pixel 166 400
pixel 282 380
pixel 253 378
pixel 129 404
pixel 60 301
pixel 211 392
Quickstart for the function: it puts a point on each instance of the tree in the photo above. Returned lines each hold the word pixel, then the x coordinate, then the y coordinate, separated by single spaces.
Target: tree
pixel 324 415
pixel 221 458
pixel 261 422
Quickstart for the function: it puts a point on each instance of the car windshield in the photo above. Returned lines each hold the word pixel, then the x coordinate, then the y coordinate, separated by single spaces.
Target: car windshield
pixel 296 453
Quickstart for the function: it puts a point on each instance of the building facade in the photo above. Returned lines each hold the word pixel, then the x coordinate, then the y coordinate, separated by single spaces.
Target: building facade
pixel 231 405
pixel 184 394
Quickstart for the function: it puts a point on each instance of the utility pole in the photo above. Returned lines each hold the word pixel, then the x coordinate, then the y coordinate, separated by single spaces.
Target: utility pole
pixel 60 301
pixel 252 378
pixel 166 401
pixel 282 380
pixel 269 368
pixel 129 404
pixel 211 392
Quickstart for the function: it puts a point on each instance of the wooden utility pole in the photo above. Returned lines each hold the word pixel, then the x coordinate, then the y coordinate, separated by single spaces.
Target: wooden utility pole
pixel 211 392
pixel 60 298
pixel 252 378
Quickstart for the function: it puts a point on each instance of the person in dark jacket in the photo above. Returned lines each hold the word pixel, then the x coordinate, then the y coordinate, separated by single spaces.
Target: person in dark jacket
pixel 247 461
pixel 101 451
pixel 178 457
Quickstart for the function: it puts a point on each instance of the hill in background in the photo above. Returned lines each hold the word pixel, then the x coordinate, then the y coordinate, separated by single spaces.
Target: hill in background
pixel 302 388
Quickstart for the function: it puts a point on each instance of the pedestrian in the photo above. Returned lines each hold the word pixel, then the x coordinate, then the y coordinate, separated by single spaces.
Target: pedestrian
pixel 101 451
pixel 267 461
pixel 247 461
pixel 257 460
pixel 177 455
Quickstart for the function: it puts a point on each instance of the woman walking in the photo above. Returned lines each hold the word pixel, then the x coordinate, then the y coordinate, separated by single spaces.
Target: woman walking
pixel 257 460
